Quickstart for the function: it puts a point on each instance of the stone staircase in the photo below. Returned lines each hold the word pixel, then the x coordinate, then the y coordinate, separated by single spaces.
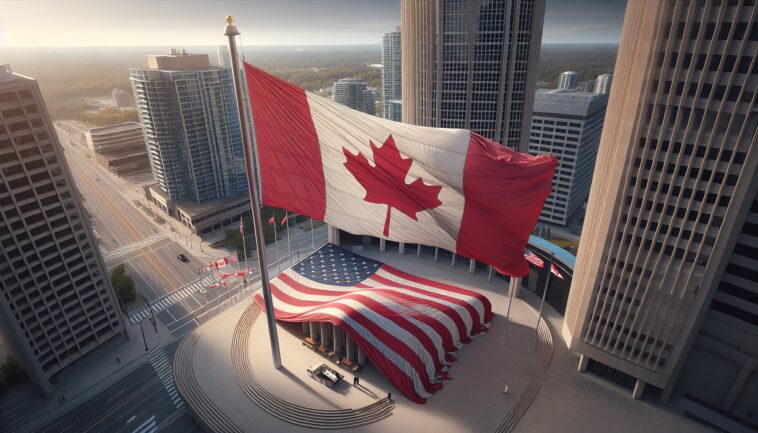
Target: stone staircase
pixel 303 416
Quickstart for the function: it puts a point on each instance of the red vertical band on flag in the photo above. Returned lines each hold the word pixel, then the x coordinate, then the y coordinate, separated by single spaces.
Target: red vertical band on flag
pixel 504 191
pixel 289 155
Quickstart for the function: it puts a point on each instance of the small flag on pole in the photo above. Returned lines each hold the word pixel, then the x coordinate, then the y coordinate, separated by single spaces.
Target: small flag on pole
pixel 533 259
pixel 213 286
pixel 555 272
pixel 221 263
pixel 242 226
pixel 284 221
pixel 234 257
pixel 271 220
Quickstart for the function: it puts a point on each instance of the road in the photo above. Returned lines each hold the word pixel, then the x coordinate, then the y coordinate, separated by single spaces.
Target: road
pixel 139 403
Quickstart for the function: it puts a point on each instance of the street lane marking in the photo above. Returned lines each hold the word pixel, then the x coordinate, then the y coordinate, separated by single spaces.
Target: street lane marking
pixel 165 372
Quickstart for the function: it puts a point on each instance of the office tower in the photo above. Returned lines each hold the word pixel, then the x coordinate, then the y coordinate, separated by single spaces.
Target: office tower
pixel 567 124
pixel 392 80
pixel 472 64
pixel 353 93
pixel 603 83
pixel 664 290
pixel 223 57
pixel 568 80
pixel 57 302
pixel 189 115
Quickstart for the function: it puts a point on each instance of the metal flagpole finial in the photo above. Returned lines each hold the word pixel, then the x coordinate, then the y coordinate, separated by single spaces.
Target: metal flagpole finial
pixel 230 29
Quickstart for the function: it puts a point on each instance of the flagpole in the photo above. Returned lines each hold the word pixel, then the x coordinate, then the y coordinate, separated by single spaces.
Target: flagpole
pixel 289 246
pixel 230 32
pixel 544 292
pixel 276 243
pixel 244 251
pixel 313 239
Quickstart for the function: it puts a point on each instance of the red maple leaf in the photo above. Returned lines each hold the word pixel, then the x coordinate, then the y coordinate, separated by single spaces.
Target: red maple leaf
pixel 385 181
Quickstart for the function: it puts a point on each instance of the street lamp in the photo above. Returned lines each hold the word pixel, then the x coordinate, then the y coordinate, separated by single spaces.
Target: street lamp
pixel 144 340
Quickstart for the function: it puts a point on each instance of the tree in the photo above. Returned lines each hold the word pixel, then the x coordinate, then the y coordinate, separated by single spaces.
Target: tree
pixel 123 285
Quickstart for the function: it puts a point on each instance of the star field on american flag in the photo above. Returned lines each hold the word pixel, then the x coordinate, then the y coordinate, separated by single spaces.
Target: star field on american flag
pixel 336 266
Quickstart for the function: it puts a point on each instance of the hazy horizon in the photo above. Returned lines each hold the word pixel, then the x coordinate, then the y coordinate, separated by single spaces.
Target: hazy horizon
pixel 263 23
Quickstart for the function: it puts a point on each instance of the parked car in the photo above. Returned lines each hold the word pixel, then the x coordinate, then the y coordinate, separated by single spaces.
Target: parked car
pixel 324 374
pixel 182 258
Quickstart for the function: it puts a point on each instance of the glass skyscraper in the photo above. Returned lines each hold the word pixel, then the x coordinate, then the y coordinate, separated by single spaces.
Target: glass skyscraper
pixel 472 64
pixel 392 81
pixel 189 115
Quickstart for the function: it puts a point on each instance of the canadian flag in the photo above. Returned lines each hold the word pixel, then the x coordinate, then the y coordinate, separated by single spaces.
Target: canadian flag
pixel 449 188
pixel 284 221
pixel 221 263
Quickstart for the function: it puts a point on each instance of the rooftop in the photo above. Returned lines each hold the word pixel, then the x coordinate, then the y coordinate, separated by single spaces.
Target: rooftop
pixel 178 60
pixel 568 101
pixel 120 127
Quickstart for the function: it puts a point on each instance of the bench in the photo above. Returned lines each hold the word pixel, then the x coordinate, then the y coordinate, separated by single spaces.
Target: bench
pixel 308 341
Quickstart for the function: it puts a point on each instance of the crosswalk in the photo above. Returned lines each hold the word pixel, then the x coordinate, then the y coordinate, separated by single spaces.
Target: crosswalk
pixel 134 246
pixel 148 426
pixel 166 374
pixel 162 303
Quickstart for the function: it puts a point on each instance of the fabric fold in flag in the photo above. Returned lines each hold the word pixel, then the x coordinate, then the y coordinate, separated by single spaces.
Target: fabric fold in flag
pixel 449 188
pixel 405 324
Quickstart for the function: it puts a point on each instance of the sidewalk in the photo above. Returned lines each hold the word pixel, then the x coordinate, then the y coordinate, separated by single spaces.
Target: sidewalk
pixel 98 370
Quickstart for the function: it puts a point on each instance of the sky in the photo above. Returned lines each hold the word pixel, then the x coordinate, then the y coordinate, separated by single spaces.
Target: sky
pixel 111 23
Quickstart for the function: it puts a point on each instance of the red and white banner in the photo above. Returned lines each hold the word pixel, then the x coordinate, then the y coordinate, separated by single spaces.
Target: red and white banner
pixel 555 272
pixel 449 188
pixel 234 257
pixel 221 263
pixel 284 221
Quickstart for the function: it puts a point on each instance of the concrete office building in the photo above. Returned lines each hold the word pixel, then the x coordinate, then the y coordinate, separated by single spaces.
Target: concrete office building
pixel 353 93
pixel 189 115
pixel 125 135
pixel 568 80
pixel 664 292
pixel 472 64
pixel 120 148
pixel 57 302
pixel 392 80
pixel 567 124
pixel 603 83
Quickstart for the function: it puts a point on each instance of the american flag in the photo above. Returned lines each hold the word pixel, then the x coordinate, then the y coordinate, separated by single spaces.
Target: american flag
pixel 555 272
pixel 407 325
pixel 533 259
pixel 234 257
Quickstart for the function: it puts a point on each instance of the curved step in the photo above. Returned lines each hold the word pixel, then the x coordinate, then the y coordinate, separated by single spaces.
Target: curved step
pixel 292 413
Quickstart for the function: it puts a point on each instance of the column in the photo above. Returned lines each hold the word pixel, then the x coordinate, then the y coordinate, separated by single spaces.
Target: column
pixel 306 329
pixel 471 266
pixel 348 347
pixel 361 357
pixel 334 235
pixel 516 281
pixel 489 274
pixel 382 245
pixel 324 334
pixel 436 254
pixel 313 331
pixel 452 259
pixel 639 389
pixel 335 339
pixel 401 248
pixel 583 361
pixel 418 250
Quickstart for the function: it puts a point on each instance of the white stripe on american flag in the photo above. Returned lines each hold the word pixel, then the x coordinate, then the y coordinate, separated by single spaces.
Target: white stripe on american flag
pixel 410 340
pixel 431 312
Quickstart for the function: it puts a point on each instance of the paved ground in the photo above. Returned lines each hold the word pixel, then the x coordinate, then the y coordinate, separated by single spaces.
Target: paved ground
pixel 473 401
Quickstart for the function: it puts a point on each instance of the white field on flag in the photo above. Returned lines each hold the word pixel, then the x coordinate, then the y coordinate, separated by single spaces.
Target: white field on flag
pixel 441 164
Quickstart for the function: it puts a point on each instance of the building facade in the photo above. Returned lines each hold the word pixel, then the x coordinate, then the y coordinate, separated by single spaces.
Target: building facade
pixel 603 83
pixel 57 301
pixel 189 115
pixel 353 93
pixel 392 81
pixel 472 64
pixel 567 124
pixel 665 290
pixel 127 135
pixel 568 80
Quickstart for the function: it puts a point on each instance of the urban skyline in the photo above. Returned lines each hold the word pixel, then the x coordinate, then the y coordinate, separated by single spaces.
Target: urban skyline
pixel 572 240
